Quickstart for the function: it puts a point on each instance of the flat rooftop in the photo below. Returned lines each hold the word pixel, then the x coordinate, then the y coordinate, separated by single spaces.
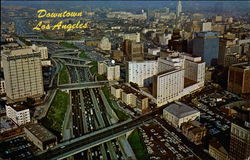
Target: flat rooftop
pixel 40 132
pixel 17 106
pixel 180 110
pixel 128 90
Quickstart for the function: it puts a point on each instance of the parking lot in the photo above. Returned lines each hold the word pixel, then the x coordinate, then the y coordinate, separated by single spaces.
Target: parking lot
pixel 18 148
pixel 162 144
pixel 209 102
pixel 7 124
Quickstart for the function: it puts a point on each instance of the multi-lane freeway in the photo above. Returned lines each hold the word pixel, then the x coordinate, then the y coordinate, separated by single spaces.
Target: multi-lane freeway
pixel 88 113
pixel 122 129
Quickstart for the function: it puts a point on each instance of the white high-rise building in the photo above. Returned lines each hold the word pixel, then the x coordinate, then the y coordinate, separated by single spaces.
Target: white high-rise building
pixel 111 70
pixel 172 77
pixel 168 86
pixel 141 72
pixel 178 9
pixel 194 68
pixel 41 49
pixel 18 113
pixel 23 74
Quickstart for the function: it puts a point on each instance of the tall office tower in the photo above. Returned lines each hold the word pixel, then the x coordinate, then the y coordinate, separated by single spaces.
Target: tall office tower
pixel 206 45
pixel 194 68
pixel 178 9
pixel 228 51
pixel 238 78
pixel 141 72
pixel 133 50
pixel 239 142
pixel 23 74
pixel 167 86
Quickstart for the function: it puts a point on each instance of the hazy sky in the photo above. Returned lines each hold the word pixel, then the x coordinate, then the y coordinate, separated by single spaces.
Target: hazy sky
pixel 227 6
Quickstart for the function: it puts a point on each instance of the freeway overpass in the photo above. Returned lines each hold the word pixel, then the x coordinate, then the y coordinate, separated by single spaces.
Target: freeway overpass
pixel 65 50
pixel 68 57
pixel 33 36
pixel 65 53
pixel 77 65
pixel 87 141
pixel 76 86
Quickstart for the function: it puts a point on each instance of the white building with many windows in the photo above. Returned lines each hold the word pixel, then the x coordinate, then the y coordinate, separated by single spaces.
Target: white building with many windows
pixel 141 72
pixel 18 113
pixel 168 86
pixel 194 68
pixel 172 77
pixel 23 74
pixel 111 70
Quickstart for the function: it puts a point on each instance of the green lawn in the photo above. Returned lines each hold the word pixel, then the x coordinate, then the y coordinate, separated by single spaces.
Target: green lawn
pixel 83 55
pixel 120 114
pixel 56 113
pixel 93 69
pixel 137 144
pixel 63 76
pixel 68 45
pixel 101 78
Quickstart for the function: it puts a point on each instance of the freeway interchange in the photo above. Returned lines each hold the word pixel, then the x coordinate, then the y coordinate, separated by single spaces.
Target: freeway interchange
pixel 87 113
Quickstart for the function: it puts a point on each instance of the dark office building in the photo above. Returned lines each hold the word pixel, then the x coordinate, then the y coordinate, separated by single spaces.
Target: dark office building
pixel 238 78
pixel 133 51
pixel 206 45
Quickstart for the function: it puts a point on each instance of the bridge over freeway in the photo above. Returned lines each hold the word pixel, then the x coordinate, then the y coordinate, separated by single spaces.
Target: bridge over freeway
pixel 65 50
pixel 77 65
pixel 76 86
pixel 87 141
pixel 65 53
pixel 68 57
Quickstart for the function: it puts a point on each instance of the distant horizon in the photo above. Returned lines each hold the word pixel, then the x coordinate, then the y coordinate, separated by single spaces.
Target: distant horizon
pixel 210 7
